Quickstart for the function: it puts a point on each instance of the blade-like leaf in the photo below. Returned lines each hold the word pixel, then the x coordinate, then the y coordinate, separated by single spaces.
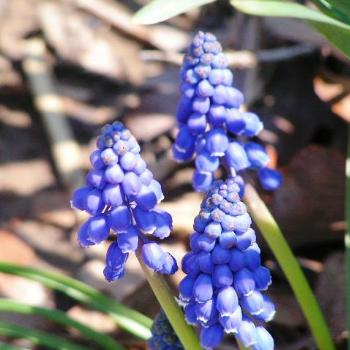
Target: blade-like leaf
pixel 10 347
pixel 38 337
pixel 131 320
pixel 160 10
pixel 60 317
pixel 329 7
pixel 341 5
pixel 337 32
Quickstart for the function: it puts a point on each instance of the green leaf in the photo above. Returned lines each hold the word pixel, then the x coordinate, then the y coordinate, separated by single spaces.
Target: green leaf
pixel 161 10
pixel 331 10
pixel 10 347
pixel 341 5
pixel 62 318
pixel 337 32
pixel 37 337
pixel 128 319
pixel 290 266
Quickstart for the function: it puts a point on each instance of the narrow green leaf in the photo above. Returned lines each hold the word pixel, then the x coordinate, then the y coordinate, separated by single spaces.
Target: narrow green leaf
pixel 161 10
pixel 331 8
pixel 337 32
pixel 289 264
pixel 37 337
pixel 341 5
pixel 10 347
pixel 62 318
pixel 128 319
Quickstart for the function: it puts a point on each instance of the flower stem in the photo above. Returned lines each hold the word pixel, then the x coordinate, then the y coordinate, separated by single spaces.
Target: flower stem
pixel 296 278
pixel 160 288
pixel 347 236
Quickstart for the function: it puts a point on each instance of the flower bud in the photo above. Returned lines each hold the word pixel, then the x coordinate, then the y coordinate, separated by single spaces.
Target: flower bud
pixel 231 322
pixel 217 142
pixel 128 240
pixel 236 157
pixel 211 337
pixel 153 256
pixel 119 219
pixel 203 288
pixel 131 184
pixel 257 155
pixel 247 333
pixel 244 282
pixel 112 195
pixel 222 276
pixel 227 301
pixel 264 340
pixel 270 179
pixel 114 174
pixel 115 262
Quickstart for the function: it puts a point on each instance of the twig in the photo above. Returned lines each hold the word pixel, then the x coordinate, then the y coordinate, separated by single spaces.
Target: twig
pixel 65 151
pixel 243 59
pixel 120 17
pixel 115 14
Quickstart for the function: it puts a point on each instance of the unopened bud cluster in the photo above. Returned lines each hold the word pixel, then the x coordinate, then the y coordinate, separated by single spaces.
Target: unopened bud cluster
pixel 163 335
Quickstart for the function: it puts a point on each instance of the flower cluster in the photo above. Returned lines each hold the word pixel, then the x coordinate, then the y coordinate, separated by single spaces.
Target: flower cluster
pixel 222 290
pixel 163 335
pixel 211 126
pixel 121 197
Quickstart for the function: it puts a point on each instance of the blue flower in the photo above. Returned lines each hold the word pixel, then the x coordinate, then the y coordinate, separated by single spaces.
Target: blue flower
pixel 163 335
pixel 212 128
pixel 121 196
pixel 223 291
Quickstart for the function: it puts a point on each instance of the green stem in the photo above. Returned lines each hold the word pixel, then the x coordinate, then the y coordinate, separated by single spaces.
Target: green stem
pixel 37 337
pixel 128 319
pixel 347 236
pixel 284 255
pixel 60 317
pixel 172 310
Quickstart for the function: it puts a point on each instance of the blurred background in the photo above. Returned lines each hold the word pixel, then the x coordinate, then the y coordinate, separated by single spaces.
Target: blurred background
pixel 68 67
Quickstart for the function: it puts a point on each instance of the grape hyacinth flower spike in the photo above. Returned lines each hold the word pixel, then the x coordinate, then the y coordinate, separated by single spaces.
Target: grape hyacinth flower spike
pixel 163 335
pixel 121 197
pixel 224 284
pixel 212 128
